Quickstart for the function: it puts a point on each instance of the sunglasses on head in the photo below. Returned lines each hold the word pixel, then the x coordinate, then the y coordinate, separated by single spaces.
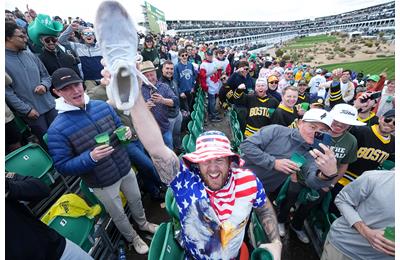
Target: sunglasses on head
pixel 389 120
pixel 274 82
pixel 88 33
pixel 50 39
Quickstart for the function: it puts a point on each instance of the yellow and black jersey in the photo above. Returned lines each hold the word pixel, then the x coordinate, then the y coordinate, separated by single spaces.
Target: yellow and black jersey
pixel 303 98
pixel 284 115
pixel 259 112
pixel 371 120
pixel 373 150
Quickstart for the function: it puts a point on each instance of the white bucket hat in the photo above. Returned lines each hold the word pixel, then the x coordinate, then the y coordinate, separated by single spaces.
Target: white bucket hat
pixel 346 114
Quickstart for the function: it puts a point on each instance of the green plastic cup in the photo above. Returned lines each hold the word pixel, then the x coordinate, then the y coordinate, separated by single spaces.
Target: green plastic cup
pixel 102 138
pixel 389 233
pixel 305 106
pixel 388 165
pixel 120 132
pixel 298 159
pixel 271 111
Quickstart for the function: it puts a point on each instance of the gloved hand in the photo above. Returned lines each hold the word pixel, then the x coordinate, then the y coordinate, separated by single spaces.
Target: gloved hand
pixel 274 248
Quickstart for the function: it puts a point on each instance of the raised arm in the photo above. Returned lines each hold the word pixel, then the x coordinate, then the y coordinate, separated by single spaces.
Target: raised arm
pixel 266 214
pixel 148 131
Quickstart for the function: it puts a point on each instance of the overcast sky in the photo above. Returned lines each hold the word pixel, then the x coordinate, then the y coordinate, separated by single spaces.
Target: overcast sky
pixel 238 10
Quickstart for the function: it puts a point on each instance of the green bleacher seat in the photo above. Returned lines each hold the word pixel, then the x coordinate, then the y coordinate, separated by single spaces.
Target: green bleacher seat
pixel 259 234
pixel 31 160
pixel 21 125
pixel 78 230
pixel 170 204
pixel 189 143
pixel 164 246
pixel 194 128
pixel 261 254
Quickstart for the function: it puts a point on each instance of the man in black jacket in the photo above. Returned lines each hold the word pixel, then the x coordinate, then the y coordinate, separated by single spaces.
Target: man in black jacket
pixel 26 236
pixel 53 57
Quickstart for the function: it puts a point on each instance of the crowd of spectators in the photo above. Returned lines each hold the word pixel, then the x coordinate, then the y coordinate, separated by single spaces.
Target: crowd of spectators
pixel 214 30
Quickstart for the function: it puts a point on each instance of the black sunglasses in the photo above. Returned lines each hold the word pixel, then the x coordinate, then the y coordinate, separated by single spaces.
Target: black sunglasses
pixel 274 82
pixel 389 120
pixel 50 39
pixel 184 55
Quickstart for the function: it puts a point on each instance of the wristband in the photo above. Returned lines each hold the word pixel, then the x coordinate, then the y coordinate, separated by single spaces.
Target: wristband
pixel 328 178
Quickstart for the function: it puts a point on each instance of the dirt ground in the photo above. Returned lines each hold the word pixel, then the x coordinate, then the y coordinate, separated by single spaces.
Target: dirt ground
pixel 320 56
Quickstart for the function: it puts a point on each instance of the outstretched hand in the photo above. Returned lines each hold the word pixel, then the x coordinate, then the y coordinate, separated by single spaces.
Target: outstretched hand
pixel 325 161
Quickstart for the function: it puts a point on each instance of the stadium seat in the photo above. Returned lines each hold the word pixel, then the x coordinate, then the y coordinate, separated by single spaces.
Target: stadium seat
pixel 78 230
pixel 261 254
pixel 257 234
pixel 172 209
pixel 189 143
pixel 31 160
pixel 170 204
pixel 164 246
pixel 21 125
pixel 194 128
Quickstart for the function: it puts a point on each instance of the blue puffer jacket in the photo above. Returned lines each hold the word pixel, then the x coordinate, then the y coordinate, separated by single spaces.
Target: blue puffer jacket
pixel 71 139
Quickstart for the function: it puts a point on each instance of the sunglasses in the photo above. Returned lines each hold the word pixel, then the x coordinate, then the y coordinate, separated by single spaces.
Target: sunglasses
pixel 273 82
pixel 87 34
pixel 245 68
pixel 50 39
pixel 388 120
pixel 184 55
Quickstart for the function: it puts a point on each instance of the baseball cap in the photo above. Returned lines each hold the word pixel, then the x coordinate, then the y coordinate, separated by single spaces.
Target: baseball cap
pixel 318 71
pixel 210 145
pixel 389 113
pixel 210 52
pixel 288 70
pixel 148 38
pixel 346 114
pixel 262 81
pixel 63 77
pixel 302 82
pixel 280 70
pixel 273 78
pixel 373 78
pixel 316 115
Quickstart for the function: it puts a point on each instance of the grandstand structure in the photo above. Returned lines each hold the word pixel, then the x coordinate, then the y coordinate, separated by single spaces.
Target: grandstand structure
pixel 239 33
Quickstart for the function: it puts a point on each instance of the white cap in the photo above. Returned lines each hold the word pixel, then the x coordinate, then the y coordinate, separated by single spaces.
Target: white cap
pixel 318 115
pixel 262 81
pixel 346 114
pixel 318 71
pixel 280 70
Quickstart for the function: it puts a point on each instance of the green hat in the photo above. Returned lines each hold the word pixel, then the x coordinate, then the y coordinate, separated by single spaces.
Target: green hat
pixel 373 78
pixel 253 56
pixel 43 25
